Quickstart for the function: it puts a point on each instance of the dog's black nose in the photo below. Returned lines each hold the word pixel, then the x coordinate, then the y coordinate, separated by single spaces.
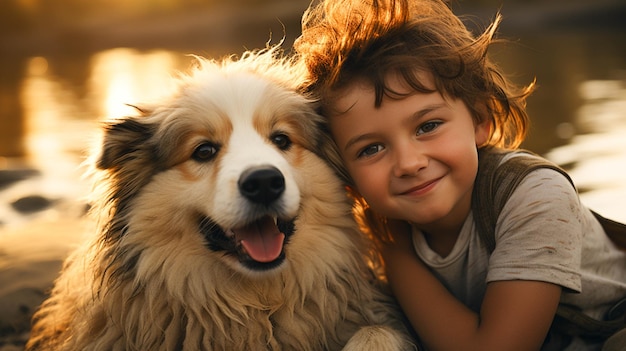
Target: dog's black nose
pixel 262 184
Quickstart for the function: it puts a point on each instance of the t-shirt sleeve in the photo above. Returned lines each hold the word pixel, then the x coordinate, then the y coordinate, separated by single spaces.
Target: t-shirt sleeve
pixel 539 233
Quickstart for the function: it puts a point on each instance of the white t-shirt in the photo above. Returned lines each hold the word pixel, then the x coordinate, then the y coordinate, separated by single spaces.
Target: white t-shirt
pixel 544 234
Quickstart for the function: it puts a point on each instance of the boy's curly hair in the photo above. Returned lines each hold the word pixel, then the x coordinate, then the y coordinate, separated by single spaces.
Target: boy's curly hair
pixel 346 40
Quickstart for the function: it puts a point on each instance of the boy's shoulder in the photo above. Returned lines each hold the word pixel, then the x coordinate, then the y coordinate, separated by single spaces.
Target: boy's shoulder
pixel 499 173
pixel 494 163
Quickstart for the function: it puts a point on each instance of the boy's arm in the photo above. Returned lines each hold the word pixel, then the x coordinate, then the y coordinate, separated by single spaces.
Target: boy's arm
pixel 515 315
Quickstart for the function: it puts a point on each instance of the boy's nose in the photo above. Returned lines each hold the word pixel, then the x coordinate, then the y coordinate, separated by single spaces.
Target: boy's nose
pixel 409 161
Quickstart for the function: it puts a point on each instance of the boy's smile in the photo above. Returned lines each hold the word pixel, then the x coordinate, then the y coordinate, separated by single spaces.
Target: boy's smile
pixel 422 188
pixel 413 158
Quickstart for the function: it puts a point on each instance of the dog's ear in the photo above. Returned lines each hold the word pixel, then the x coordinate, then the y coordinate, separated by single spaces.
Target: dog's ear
pixel 128 156
pixel 128 159
pixel 125 140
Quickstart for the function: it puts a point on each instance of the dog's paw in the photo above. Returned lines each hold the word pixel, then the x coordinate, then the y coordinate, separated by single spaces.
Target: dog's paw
pixel 378 338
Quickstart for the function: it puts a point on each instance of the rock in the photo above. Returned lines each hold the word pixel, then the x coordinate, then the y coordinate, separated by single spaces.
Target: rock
pixel 10 176
pixel 31 204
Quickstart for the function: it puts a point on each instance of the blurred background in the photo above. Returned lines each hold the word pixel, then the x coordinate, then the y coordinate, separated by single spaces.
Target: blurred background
pixel 66 65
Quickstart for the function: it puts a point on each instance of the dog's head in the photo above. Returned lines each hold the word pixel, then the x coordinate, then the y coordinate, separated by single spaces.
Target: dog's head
pixel 220 168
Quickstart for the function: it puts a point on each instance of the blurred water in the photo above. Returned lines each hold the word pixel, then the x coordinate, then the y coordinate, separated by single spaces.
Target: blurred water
pixel 59 120
pixel 599 156
pixel 62 119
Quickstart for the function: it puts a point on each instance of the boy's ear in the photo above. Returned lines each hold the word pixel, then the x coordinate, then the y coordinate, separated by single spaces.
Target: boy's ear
pixel 482 132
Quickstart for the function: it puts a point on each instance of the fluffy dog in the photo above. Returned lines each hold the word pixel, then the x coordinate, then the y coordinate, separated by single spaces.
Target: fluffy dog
pixel 220 229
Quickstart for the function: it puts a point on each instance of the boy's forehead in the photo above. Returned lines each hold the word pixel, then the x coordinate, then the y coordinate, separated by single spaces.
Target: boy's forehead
pixel 357 92
pixel 362 91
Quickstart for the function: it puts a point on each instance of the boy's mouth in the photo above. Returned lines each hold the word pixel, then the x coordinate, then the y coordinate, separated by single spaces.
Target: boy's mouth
pixel 422 188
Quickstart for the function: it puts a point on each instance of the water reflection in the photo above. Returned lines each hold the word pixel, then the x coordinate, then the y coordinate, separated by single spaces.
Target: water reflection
pixel 62 108
pixel 124 76
pixel 48 107
pixel 58 119
pixel 599 155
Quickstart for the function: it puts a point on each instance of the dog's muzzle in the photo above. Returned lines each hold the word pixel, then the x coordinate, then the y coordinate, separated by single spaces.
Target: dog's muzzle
pixel 258 245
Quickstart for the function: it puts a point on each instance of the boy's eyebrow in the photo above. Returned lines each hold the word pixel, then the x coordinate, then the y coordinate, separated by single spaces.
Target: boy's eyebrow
pixel 416 116
pixel 426 110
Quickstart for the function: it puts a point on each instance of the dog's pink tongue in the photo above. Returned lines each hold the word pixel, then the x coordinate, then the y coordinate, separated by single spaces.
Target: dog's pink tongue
pixel 261 239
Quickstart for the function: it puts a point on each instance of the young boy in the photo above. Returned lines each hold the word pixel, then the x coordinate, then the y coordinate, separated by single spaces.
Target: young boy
pixel 411 101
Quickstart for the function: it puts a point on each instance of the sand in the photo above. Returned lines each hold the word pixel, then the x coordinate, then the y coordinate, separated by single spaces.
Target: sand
pixel 30 259
pixel 39 225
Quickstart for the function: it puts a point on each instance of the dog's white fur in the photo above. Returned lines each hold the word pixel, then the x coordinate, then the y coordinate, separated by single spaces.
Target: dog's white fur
pixel 151 281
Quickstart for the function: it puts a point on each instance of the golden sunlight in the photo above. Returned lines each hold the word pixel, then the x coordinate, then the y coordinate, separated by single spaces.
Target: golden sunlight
pixel 38 90
pixel 60 124
pixel 123 77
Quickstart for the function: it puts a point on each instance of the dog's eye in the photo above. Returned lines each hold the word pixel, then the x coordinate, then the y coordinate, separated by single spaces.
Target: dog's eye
pixel 205 152
pixel 281 140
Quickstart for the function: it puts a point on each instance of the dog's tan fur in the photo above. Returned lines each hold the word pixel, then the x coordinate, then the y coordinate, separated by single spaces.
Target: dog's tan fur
pixel 148 281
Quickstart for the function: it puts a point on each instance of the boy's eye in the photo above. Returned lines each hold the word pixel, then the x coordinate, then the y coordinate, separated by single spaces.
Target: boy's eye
pixel 370 150
pixel 428 127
